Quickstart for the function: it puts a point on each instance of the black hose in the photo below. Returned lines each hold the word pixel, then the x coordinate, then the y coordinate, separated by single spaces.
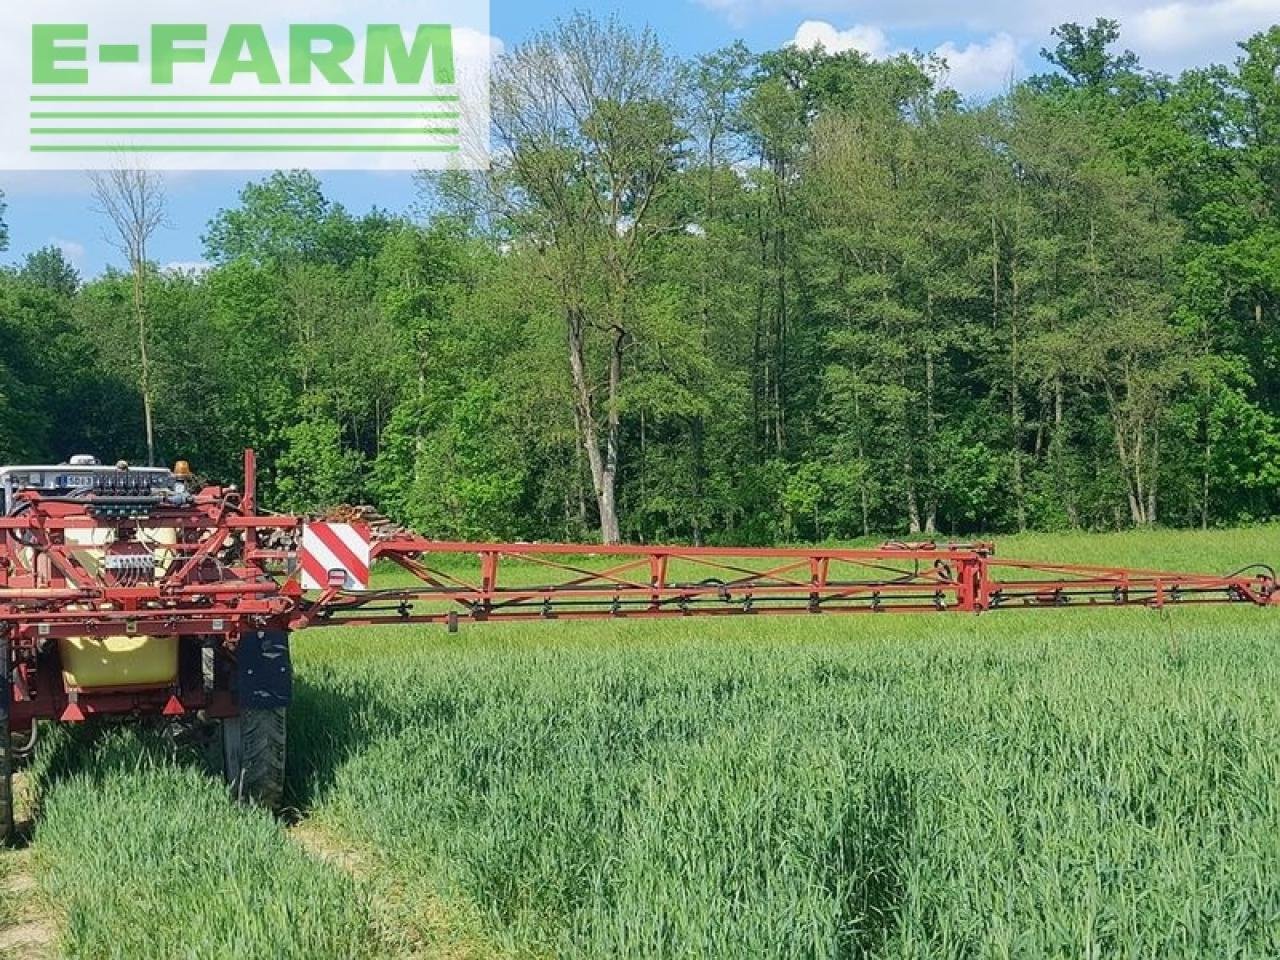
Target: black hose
pixel 24 751
pixel 1267 570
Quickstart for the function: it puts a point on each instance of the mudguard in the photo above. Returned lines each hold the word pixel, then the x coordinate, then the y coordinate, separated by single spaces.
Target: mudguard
pixel 264 674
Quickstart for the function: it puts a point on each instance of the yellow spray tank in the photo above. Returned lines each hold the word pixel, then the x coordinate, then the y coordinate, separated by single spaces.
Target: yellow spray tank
pixel 120 662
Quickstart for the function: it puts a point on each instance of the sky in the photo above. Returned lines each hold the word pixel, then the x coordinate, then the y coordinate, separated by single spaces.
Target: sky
pixel 986 44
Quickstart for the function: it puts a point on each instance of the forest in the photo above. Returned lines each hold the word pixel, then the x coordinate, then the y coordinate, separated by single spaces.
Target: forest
pixel 745 297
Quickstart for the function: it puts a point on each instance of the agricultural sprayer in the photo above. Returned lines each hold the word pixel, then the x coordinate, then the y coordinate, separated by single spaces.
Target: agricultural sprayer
pixel 127 592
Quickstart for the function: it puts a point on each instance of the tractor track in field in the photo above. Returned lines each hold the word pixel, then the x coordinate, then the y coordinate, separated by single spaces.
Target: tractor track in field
pixel 405 927
pixel 27 931
pixel 27 928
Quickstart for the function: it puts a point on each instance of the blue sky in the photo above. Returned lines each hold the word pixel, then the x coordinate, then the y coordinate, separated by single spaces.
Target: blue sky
pixel 985 44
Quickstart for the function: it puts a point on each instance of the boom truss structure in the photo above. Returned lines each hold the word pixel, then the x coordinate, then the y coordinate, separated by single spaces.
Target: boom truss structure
pixel 576 582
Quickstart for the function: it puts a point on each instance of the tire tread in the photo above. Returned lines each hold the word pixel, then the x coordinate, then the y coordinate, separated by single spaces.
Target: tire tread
pixel 263 741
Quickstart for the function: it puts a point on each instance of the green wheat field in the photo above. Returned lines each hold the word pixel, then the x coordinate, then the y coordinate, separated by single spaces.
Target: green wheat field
pixel 1089 783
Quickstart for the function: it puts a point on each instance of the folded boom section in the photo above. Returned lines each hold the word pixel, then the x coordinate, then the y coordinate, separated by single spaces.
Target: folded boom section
pixel 449 582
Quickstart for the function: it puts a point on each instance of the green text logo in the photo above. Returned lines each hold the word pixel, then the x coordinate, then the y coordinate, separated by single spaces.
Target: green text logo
pixel 61 54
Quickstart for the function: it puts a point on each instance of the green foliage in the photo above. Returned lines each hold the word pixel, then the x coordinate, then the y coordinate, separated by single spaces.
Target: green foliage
pixel 451 471
pixel 287 219
pixel 1083 54
pixel 803 497
pixel 314 471
pixel 49 268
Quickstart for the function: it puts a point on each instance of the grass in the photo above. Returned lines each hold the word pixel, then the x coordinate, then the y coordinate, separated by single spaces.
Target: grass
pixel 941 790
pixel 1092 783
pixel 144 857
pixel 9 906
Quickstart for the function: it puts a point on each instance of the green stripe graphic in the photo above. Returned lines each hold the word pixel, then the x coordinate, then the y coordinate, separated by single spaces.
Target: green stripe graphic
pixel 118 53
pixel 245 148
pixel 236 115
pixel 248 131
pixel 328 98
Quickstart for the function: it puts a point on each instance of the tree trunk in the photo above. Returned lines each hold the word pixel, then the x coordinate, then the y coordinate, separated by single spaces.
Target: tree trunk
pixel 913 506
pixel 610 531
pixel 583 515
pixel 1057 449
pixel 1153 482
pixel 908 476
pixel 1015 404
pixel 144 359
pixel 1132 473
pixel 759 358
pixel 698 430
pixel 864 496
pixel 604 466
pixel 783 306
pixel 931 499
pixel 1205 474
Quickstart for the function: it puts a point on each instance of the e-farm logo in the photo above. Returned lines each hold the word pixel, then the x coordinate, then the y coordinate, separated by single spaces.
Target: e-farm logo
pixel 240 95
pixel 244 51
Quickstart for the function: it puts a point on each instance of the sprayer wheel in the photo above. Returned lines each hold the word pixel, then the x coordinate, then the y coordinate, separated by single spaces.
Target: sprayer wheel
pixel 6 746
pixel 253 755
pixel 6 783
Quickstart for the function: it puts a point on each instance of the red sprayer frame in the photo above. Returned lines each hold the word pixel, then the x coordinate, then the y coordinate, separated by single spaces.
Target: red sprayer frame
pixel 235 570
pixel 639 581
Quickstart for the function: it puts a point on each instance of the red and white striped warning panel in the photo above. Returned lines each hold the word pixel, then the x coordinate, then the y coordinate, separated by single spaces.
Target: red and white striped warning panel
pixel 335 555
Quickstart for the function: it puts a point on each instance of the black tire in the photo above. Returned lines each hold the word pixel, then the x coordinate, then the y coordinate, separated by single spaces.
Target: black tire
pixel 6 783
pixel 6 745
pixel 253 755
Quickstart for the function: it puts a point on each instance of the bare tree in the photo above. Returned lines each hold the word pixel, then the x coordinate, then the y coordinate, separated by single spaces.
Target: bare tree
pixel 133 201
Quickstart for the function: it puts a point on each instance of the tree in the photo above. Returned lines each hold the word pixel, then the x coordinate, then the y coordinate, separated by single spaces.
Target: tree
pixel 286 220
pixel 739 298
pixel 585 117
pixel 1082 54
pixel 49 268
pixel 52 355
pixel 21 421
pixel 890 262
pixel 297 293
pixel 315 470
pixel 4 229
pixel 133 201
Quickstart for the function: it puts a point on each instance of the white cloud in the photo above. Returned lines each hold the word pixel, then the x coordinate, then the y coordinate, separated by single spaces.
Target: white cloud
pixel 981 67
pixel 865 39
pixel 1173 35
pixel 72 250
pixel 977 68
pixel 1168 35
